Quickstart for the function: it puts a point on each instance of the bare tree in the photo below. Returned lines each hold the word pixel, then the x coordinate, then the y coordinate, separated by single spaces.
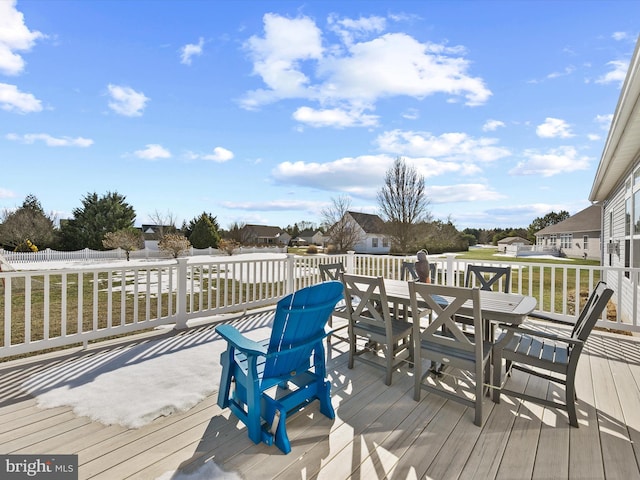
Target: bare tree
pixel 403 203
pixel 343 231
pixel 237 233
pixel 166 223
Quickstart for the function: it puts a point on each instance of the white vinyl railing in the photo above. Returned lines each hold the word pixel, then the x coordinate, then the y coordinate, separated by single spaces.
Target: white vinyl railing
pixel 42 309
pixel 49 255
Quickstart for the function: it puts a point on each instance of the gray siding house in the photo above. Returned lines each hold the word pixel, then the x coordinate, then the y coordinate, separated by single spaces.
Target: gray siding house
pixel 576 237
pixel 617 188
pixel 264 235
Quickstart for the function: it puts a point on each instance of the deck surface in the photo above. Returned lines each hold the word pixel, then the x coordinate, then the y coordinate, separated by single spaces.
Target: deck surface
pixel 379 431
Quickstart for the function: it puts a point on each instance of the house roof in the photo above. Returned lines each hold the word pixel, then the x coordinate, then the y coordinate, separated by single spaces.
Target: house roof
pixel 623 142
pixel 370 223
pixel 587 220
pixel 511 240
pixel 265 231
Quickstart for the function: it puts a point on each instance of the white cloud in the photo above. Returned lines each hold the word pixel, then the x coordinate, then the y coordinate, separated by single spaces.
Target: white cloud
pixel 358 176
pixel 492 125
pixel 553 162
pixel 411 114
pixel 13 100
pixel 51 141
pixel 153 151
pixel 334 117
pixel 593 137
pixel 4 193
pixel 14 37
pixel 274 205
pixel 604 121
pixel 452 146
pixel 349 29
pixel 126 101
pixel 465 192
pixel 191 50
pixel 620 36
pixel 567 71
pixel 219 154
pixel 293 63
pixel 554 128
pixel 286 42
pixel 617 74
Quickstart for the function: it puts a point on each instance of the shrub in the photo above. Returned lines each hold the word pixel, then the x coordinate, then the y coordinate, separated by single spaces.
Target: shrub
pixel 312 250
pixel 174 244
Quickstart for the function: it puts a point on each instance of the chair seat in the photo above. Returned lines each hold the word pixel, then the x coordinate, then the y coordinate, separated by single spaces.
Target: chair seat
pixel 456 356
pixel 545 353
pixel 399 328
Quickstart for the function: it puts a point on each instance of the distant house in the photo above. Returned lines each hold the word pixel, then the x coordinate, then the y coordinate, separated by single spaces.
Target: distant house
pixel 153 233
pixel 577 237
pixel 616 187
pixel 264 235
pixel 371 231
pixel 508 241
pixel 311 237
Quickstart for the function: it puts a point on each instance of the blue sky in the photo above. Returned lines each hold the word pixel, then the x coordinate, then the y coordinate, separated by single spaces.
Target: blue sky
pixel 263 112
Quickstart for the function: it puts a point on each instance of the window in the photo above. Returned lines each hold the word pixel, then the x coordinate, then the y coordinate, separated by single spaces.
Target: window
pixel 385 242
pixel 585 242
pixel 552 240
pixel 627 217
pixel 565 240
pixel 374 242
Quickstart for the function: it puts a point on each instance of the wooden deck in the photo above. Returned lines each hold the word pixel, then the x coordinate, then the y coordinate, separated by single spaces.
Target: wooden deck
pixel 379 432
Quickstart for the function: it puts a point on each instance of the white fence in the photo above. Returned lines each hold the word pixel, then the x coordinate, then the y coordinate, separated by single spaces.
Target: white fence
pixel 41 309
pixel 49 255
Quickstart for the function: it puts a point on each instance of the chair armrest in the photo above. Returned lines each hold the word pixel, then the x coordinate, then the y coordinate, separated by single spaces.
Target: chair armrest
pixel 537 333
pixel 239 341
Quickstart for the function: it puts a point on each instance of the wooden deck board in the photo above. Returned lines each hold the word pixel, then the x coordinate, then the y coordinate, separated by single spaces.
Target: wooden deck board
pixel 379 431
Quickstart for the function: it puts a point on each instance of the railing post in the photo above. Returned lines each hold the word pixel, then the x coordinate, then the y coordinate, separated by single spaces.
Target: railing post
pixel 450 273
pixel 291 268
pixel 350 267
pixel 181 295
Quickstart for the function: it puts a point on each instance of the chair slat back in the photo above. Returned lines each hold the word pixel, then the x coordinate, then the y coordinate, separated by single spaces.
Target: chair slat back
pixel 486 277
pixel 592 311
pixel 331 271
pixel 298 327
pixel 408 271
pixel 372 307
pixel 445 303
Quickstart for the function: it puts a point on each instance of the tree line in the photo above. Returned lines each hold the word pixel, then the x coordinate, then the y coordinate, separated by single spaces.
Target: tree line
pixel 107 222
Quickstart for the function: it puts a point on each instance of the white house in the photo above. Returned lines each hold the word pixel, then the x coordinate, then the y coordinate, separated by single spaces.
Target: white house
pixel 617 188
pixel 371 231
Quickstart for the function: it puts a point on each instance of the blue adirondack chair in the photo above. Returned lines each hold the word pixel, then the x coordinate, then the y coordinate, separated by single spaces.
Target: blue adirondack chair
pixel 291 362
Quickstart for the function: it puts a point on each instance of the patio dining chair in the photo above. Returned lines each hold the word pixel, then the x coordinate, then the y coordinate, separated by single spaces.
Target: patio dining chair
pixel 408 271
pixel 257 377
pixel 536 352
pixel 371 319
pixel 488 277
pixel 334 271
pixel 443 341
